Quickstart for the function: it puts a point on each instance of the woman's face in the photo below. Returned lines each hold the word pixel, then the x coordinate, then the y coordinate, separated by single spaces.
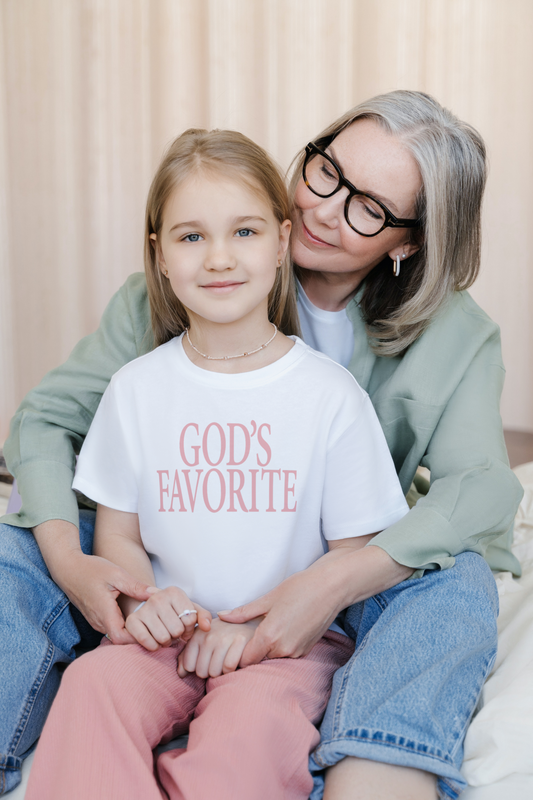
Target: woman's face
pixel 377 163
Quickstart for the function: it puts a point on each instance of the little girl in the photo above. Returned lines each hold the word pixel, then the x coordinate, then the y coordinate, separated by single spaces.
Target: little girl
pixel 225 460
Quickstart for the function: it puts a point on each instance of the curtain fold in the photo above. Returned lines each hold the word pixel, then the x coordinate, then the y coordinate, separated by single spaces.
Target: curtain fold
pixel 93 90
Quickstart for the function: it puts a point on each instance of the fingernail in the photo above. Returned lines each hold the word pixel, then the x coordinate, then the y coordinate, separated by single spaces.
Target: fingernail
pixel 226 611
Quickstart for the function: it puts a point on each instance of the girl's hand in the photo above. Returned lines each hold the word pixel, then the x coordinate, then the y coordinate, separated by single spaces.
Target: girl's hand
pixel 218 651
pixel 161 620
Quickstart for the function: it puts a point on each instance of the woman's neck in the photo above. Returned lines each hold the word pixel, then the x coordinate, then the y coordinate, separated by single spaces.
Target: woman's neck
pixel 330 291
pixel 218 340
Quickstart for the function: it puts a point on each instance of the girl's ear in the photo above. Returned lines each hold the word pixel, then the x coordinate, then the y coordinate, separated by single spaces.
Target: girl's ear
pixel 284 235
pixel 158 254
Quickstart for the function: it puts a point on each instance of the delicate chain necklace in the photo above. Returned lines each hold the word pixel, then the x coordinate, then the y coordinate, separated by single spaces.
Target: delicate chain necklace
pixel 227 358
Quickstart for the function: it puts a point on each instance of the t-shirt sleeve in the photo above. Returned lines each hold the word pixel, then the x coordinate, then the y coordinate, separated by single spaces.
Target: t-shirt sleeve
pixel 105 471
pixel 362 493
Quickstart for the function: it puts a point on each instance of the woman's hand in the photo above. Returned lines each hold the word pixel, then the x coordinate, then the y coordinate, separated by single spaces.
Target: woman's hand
pixel 91 583
pixel 161 620
pixel 216 652
pixel 299 611
pixel 296 613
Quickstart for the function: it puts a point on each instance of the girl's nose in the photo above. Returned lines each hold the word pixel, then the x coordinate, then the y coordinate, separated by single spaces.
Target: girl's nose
pixel 220 258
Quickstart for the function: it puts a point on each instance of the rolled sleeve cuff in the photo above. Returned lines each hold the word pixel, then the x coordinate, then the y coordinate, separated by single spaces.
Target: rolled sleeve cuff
pixel 435 548
pixel 47 484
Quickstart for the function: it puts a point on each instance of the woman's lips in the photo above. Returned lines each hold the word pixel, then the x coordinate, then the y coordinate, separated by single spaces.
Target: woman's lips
pixel 314 239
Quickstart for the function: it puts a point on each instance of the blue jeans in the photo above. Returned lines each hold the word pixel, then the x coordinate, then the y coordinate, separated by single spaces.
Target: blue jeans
pixel 424 648
pixel 423 651
pixel 39 630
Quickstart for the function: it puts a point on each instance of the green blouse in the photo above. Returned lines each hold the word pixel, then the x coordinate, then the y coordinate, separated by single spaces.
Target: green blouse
pixel 438 405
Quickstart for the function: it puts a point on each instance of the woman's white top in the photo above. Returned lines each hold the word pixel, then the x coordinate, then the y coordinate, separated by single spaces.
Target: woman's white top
pixel 239 479
pixel 329 332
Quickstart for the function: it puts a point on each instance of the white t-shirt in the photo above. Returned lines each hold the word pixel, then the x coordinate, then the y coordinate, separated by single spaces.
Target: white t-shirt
pixel 237 478
pixel 329 332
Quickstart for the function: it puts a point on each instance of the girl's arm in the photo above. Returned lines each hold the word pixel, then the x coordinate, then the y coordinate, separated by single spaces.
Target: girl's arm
pixel 117 538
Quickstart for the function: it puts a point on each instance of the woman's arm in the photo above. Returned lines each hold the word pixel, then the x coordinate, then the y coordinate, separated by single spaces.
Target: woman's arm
pixel 300 610
pixel 91 583
pixel 49 427
pixel 472 499
pixel 45 436
pixel 474 496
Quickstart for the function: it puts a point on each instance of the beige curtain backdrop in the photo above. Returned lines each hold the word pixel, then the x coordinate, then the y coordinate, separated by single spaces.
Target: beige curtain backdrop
pixel 92 90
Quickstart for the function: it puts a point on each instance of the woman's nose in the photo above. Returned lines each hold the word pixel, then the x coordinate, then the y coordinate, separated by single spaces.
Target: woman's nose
pixel 330 210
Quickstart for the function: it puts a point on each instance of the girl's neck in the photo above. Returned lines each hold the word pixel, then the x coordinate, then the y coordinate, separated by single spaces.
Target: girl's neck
pixel 330 291
pixel 233 339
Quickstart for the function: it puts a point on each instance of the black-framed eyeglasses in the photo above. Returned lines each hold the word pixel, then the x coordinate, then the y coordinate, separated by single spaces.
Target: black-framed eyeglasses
pixel 363 213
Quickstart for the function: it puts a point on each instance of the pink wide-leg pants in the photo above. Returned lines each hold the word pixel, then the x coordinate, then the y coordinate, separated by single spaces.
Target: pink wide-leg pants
pixel 250 738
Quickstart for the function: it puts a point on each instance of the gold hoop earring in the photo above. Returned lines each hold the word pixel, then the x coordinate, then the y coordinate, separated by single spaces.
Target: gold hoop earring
pixel 396 267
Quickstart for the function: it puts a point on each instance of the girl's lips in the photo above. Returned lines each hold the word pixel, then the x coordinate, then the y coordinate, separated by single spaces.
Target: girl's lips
pixel 314 239
pixel 222 287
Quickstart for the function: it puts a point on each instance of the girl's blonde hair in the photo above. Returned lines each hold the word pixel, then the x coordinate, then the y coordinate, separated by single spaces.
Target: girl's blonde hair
pixel 233 155
pixel 452 161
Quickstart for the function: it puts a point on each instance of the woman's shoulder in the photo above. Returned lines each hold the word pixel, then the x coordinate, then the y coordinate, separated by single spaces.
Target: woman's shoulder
pixel 459 336
pixel 462 308
pixel 460 325
pixel 131 303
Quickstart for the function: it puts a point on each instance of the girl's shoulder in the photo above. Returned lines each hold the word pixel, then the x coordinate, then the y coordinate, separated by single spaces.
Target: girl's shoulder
pixel 328 374
pixel 147 367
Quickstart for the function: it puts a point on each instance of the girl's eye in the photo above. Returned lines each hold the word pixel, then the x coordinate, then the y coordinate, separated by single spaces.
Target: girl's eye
pixel 244 232
pixel 192 237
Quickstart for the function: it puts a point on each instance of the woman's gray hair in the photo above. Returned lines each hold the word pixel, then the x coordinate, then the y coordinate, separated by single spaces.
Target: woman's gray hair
pixel 451 157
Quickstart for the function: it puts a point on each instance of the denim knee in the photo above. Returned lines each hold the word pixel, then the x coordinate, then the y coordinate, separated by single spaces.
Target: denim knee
pixel 423 651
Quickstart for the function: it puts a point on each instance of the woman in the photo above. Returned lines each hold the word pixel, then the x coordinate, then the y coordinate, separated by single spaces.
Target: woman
pixel 382 268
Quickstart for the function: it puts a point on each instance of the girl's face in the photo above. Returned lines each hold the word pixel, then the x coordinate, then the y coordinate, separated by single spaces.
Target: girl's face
pixel 221 245
pixel 377 163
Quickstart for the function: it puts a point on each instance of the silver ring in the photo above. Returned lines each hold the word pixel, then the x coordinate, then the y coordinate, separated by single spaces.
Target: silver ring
pixel 187 611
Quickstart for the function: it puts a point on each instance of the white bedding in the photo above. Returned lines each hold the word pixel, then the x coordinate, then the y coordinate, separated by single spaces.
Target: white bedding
pixel 499 741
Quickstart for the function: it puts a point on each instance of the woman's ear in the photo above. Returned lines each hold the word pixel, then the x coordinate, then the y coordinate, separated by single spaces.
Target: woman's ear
pixel 408 248
pixel 284 236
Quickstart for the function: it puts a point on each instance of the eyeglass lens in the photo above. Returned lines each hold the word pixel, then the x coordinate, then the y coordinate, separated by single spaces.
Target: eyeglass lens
pixel 365 215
